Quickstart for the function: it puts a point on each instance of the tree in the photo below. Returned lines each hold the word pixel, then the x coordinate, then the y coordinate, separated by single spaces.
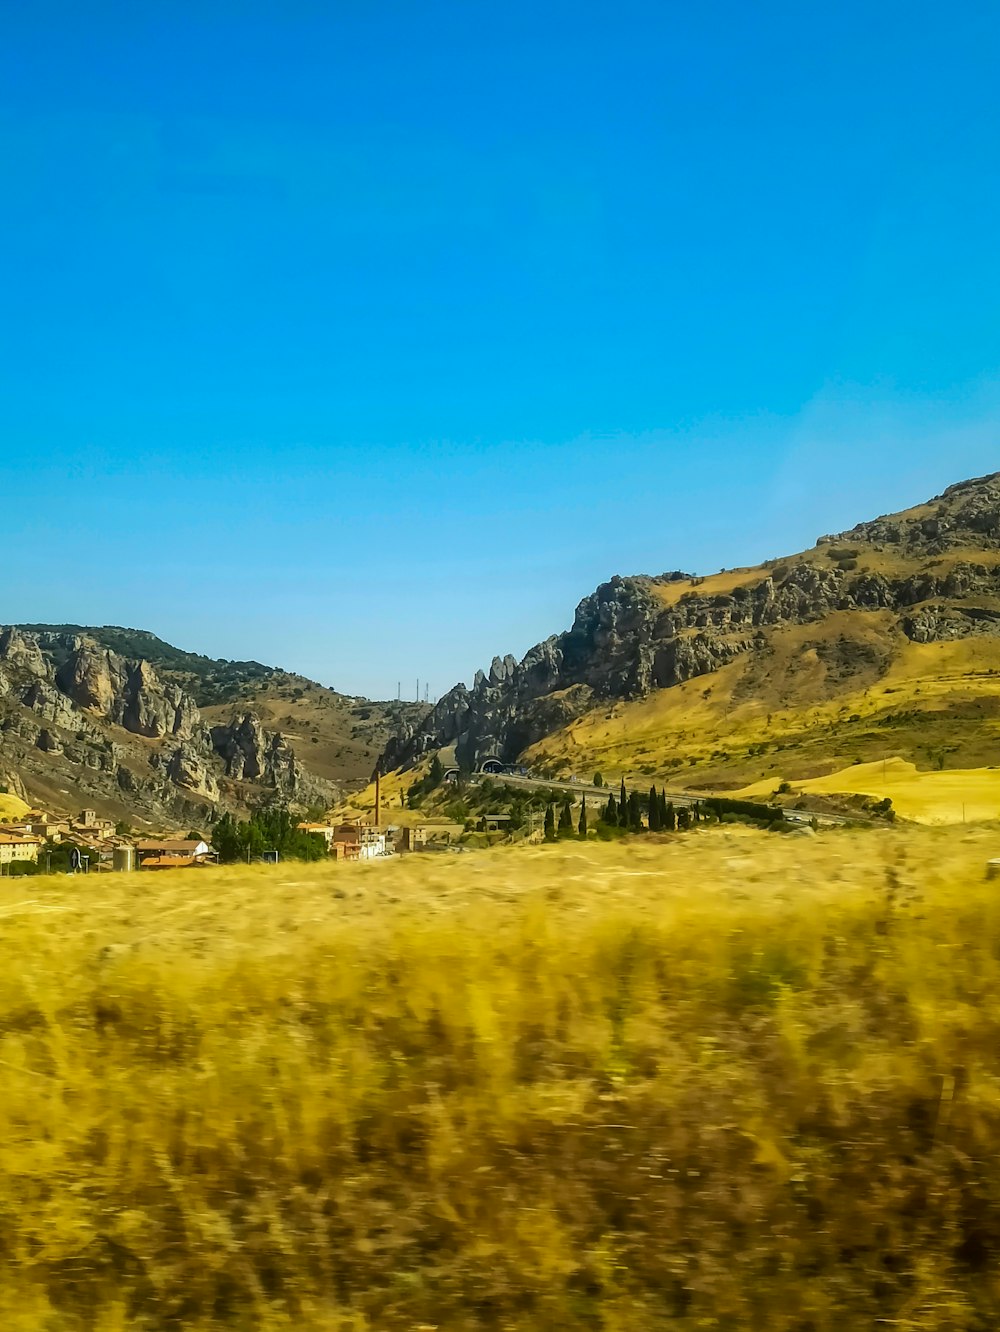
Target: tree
pixel 634 813
pixel 436 772
pixel 550 824
pixel 654 810
pixel 598 779
pixel 565 818
pixel 683 819
pixel 611 813
pixel 623 797
pixel 670 822
pixel 268 829
pixel 663 808
pixel 226 838
pixel 582 825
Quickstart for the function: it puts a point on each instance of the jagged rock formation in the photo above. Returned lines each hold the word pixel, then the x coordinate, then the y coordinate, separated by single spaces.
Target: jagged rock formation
pixel 78 719
pixel 936 569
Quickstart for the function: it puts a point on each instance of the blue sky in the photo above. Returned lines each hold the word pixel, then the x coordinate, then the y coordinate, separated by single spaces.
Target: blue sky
pixel 366 338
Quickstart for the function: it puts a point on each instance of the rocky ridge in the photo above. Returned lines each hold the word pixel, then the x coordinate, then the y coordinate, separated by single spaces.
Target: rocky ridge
pixel 935 568
pixel 80 720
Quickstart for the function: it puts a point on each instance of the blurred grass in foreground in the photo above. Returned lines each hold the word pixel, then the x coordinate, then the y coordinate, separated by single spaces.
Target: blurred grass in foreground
pixel 731 1082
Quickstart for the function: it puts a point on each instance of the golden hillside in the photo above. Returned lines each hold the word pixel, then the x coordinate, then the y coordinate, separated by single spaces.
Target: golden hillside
pixel 879 642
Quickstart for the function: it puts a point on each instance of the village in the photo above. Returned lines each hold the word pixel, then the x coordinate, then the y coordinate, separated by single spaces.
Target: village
pixel 88 843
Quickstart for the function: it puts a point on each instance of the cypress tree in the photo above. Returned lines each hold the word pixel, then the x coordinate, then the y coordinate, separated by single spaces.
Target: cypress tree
pixel 623 799
pixel 634 813
pixel 550 824
pixel 582 825
pixel 663 808
pixel 670 822
pixel 611 813
pixel 654 810
pixel 566 817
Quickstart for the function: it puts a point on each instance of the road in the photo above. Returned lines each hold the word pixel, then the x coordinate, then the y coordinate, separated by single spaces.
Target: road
pixel 680 798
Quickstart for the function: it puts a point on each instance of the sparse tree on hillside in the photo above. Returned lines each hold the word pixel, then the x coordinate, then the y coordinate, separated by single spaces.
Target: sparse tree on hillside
pixel 611 813
pixel 598 779
pixel 582 825
pixel 550 824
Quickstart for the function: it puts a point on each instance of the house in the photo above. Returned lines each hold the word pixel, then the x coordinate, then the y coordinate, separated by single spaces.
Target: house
pixel 429 836
pixel 171 852
pixel 49 827
pixel 324 830
pixel 89 821
pixel 362 841
pixel 18 846
pixel 494 822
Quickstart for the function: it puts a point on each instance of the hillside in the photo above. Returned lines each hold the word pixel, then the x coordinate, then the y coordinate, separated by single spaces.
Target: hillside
pixel 118 719
pixel 880 641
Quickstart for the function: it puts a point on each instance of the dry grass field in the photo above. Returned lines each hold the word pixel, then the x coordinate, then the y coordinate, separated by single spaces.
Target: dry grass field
pixel 948 796
pixel 12 807
pixel 725 1081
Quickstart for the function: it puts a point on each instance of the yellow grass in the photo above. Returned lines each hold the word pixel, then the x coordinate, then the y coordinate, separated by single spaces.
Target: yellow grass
pixel 392 793
pixel 669 594
pixel 953 796
pixel 12 807
pixel 790 699
pixel 729 1081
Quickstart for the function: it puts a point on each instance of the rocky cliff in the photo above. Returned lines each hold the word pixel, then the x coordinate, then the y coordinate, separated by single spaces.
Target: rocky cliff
pixel 935 569
pixel 82 724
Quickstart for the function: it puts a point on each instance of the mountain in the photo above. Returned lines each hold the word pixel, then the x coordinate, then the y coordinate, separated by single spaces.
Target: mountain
pixel 884 638
pixel 120 720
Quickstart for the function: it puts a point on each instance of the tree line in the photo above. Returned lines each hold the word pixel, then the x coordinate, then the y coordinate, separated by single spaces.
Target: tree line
pixel 271 829
pixel 634 813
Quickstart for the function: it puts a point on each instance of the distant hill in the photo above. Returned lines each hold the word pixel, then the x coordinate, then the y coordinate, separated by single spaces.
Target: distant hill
pixel 119 719
pixel 881 640
pixel 208 680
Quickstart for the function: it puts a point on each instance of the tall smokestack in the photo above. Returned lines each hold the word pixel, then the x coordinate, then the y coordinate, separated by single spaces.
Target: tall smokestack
pixel 378 796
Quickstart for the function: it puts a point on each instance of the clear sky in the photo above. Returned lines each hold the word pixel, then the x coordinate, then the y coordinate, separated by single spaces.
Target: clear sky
pixel 365 338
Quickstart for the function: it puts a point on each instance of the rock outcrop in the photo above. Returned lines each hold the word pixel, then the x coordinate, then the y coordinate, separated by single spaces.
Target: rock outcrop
pixel 627 638
pixel 110 727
